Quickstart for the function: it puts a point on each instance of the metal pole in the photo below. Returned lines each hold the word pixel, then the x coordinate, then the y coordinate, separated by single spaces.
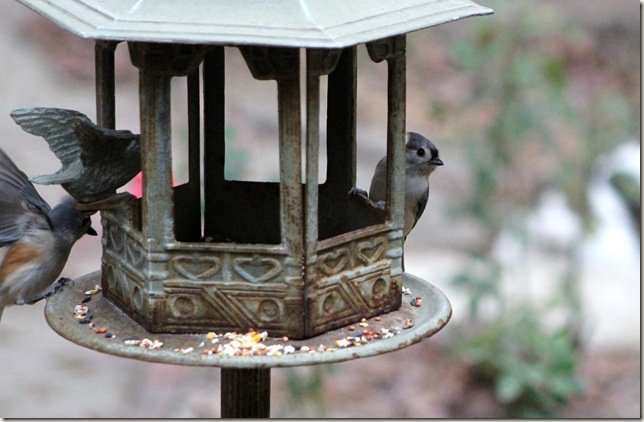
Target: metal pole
pixel 245 393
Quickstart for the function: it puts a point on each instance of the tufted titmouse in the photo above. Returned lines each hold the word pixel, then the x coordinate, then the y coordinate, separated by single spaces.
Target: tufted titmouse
pixel 96 160
pixel 421 159
pixel 35 240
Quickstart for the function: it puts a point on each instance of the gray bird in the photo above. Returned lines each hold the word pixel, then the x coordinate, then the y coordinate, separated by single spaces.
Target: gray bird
pixel 95 161
pixel 421 159
pixel 35 240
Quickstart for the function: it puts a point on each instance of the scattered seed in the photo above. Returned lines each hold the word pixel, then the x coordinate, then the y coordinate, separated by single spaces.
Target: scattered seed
pixel 352 327
pixel 342 343
pixel 378 318
pixel 109 335
pixel 94 291
pixel 86 299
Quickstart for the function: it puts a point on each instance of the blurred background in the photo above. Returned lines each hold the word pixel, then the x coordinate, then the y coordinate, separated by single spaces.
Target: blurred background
pixel 532 229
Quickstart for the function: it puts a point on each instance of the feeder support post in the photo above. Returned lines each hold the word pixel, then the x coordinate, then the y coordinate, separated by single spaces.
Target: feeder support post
pixel 245 393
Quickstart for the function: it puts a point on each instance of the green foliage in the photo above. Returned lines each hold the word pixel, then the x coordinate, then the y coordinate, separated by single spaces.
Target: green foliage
pixel 481 281
pixel 305 387
pixel 532 371
pixel 529 132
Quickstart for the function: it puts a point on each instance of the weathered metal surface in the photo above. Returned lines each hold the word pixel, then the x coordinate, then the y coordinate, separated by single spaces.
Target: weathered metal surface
pixel 245 393
pixel 294 258
pixel 427 319
pixel 203 286
pixel 266 259
pixel 105 84
pixel 293 23
pixel 396 123
pixel 352 278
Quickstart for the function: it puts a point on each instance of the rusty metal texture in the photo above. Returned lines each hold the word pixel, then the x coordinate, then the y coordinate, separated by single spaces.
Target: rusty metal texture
pixel 111 328
pixel 291 23
pixel 105 84
pixel 261 261
pixel 294 258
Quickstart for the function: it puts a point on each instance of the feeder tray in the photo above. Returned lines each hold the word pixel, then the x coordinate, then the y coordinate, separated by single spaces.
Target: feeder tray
pixel 428 319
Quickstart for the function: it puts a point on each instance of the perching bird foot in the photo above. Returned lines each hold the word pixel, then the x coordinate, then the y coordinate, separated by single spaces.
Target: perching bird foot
pixel 45 293
pixel 358 191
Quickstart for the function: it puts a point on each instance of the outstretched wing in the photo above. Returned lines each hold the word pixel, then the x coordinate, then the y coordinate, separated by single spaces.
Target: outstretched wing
pixel 100 146
pixel 20 204
pixel 56 125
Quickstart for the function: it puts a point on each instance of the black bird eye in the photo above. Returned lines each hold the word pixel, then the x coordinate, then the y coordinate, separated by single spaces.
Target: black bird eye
pixel 420 152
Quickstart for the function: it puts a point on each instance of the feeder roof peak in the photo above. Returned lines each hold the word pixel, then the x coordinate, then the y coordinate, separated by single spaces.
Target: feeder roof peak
pixel 296 23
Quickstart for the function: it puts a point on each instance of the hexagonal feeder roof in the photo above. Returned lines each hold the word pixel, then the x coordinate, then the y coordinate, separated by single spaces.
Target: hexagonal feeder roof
pixel 298 23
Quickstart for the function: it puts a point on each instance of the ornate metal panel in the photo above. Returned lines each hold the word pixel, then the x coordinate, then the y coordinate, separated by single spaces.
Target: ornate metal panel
pixel 353 278
pixel 200 287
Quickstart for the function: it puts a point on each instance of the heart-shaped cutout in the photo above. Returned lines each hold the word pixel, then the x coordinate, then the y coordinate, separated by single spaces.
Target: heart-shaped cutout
pixel 196 268
pixel 371 251
pixel 116 238
pixel 257 269
pixel 333 262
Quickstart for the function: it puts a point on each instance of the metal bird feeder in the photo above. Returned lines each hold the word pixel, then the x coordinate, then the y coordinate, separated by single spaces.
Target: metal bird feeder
pixel 294 258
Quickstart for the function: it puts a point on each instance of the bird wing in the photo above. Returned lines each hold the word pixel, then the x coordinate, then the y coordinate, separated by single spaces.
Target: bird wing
pixel 56 125
pixel 20 204
pixel 378 187
pixel 420 206
pixel 100 145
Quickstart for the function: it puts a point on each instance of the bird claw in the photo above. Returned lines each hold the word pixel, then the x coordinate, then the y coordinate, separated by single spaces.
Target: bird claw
pixel 49 291
pixel 357 191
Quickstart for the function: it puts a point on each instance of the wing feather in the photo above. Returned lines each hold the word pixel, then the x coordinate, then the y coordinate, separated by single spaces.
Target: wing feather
pixel 56 125
pixel 20 203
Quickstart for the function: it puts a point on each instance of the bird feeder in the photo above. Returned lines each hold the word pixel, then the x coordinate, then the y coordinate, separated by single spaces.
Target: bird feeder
pixel 294 258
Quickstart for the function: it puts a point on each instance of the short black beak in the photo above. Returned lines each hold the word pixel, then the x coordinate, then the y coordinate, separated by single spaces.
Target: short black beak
pixel 436 161
pixel 90 231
